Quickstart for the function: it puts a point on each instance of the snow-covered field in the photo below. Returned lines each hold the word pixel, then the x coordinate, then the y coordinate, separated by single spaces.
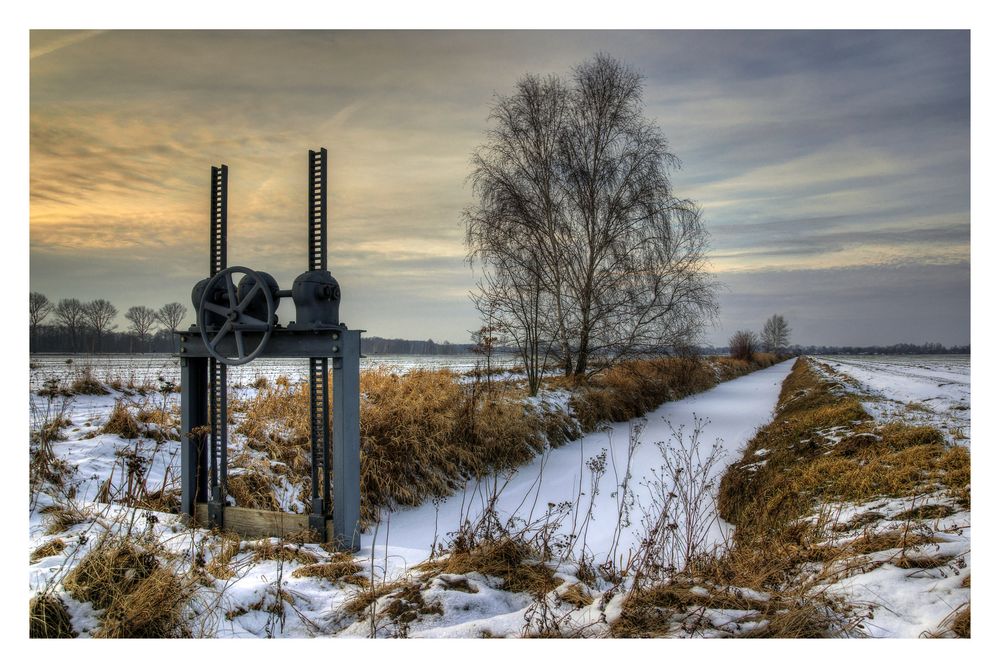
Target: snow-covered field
pixel 153 367
pixel 606 521
pixel 602 488
pixel 917 389
pixel 904 600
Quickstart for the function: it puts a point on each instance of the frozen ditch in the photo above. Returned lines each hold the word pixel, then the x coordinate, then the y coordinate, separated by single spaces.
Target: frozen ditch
pixel 730 413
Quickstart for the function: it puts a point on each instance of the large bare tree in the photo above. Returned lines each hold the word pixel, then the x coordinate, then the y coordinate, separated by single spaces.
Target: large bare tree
pixel 574 191
pixel 141 320
pixel 99 315
pixel 69 314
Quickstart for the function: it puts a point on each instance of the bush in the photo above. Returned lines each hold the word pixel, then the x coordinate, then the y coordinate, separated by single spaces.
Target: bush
pixel 742 345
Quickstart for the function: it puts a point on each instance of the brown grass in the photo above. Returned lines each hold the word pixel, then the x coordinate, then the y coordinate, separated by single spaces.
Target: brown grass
pixel 48 617
pixel 229 548
pixel 86 383
pixel 121 422
pixel 768 496
pixel 576 596
pixel 253 488
pixel 339 567
pixel 635 387
pixel 271 550
pixel 509 559
pixel 48 549
pixel 140 598
pixel 424 433
pixel 60 518
pixel 803 469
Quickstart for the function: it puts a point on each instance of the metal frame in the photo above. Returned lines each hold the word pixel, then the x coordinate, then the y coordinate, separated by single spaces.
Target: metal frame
pixel 334 440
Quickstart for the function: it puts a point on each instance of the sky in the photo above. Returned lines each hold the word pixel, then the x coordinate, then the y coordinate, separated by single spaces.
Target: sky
pixel 832 167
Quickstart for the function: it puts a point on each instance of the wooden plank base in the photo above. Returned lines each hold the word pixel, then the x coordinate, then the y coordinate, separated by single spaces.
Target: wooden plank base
pixel 253 523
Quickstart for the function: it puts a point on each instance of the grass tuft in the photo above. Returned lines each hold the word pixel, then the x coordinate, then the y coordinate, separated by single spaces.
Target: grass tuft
pixel 48 617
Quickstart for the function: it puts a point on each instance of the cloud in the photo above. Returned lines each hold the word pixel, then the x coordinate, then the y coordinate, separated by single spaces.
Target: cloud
pixel 806 149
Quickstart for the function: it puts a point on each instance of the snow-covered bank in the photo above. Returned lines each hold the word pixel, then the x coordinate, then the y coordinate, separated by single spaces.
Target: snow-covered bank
pixel 731 412
pixel 917 592
pixel 917 389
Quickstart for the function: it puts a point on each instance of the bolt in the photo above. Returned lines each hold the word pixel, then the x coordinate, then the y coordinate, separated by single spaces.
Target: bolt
pixel 335 349
pixel 335 336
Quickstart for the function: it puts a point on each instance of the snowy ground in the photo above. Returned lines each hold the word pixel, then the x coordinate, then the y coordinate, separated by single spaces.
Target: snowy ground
pixel 154 367
pixel 909 593
pixel 606 523
pixel 917 389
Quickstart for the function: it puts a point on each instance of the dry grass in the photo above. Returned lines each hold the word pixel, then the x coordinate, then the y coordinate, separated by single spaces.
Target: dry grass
pixel 422 435
pixel 47 549
pixel 51 430
pixel 86 383
pixel 253 488
pixel 510 559
pixel 60 518
pixel 821 450
pixel 140 598
pixel 576 596
pixel 635 387
pixel 48 617
pixel 219 566
pixel 802 468
pixel 122 422
pixel 278 550
pixel 341 566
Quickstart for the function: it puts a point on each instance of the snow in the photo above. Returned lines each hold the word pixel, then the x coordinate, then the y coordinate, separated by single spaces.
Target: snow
pixel 908 602
pixel 728 414
pixel 734 410
pixel 918 389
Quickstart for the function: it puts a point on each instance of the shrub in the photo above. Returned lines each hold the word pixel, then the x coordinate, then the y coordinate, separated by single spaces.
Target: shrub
pixel 742 345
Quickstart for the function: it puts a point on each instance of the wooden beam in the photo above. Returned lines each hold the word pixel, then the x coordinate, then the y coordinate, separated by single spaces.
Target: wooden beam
pixel 254 523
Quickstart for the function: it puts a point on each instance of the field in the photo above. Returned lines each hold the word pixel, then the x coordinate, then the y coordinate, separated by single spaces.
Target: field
pixel 920 389
pixel 568 542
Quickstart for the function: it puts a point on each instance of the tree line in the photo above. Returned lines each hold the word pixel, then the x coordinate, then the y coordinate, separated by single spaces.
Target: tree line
pixel 74 326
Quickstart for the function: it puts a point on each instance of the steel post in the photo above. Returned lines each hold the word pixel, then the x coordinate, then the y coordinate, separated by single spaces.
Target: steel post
pixel 347 442
pixel 194 414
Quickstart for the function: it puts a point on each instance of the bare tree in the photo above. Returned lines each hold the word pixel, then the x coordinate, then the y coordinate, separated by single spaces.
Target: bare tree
pixel 99 315
pixel 574 194
pixel 170 315
pixel 142 319
pixel 743 344
pixel 39 308
pixel 69 314
pixel 775 334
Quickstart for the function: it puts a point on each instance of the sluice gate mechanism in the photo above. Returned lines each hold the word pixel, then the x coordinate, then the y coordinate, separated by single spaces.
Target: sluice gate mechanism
pixel 237 322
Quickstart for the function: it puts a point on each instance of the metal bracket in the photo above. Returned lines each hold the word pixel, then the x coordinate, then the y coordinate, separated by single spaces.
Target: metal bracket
pixel 216 511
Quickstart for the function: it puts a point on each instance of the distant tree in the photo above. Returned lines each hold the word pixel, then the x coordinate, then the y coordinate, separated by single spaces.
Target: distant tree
pixel 69 314
pixel 170 315
pixel 39 308
pixel 742 345
pixel 141 319
pixel 99 315
pixel 775 334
